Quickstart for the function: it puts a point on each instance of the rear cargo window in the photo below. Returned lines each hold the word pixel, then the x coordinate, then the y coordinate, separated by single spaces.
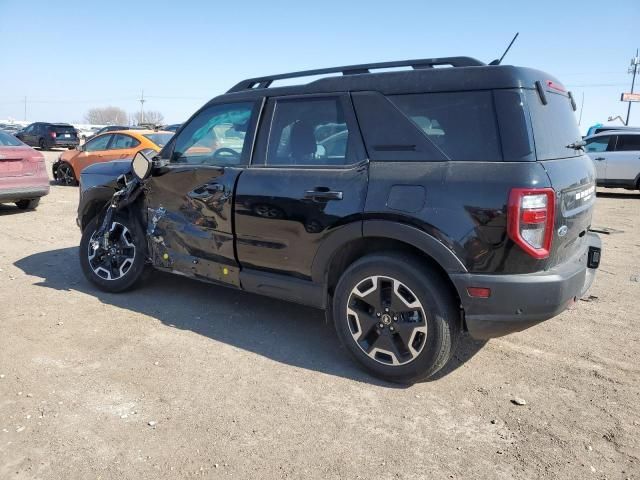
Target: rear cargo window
pixel 63 129
pixel 461 124
pixel 554 125
pixel 160 139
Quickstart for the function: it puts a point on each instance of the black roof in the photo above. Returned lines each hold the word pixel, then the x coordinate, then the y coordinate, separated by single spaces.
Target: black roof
pixel 466 74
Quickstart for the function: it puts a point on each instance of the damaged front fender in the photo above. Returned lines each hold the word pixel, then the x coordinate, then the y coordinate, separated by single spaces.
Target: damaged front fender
pixel 98 183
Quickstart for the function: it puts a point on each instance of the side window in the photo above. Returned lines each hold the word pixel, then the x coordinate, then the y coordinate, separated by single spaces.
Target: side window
pixel 99 143
pixel 628 143
pixel 310 132
pixel 598 144
pixel 121 141
pixel 217 135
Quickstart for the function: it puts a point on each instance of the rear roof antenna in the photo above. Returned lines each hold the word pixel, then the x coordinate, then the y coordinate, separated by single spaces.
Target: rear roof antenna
pixel 499 61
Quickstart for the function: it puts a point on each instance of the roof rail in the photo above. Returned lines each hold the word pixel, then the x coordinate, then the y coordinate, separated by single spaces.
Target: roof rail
pixel 265 82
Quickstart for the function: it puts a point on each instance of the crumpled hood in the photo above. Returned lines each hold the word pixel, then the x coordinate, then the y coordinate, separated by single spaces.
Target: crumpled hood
pixel 115 168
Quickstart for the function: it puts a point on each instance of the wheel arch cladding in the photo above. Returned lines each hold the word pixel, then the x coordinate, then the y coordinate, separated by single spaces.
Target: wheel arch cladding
pixel 384 236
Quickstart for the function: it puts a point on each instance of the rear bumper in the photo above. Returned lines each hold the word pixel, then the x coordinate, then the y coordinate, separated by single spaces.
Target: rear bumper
pixel 65 143
pixel 520 301
pixel 23 193
pixel 61 142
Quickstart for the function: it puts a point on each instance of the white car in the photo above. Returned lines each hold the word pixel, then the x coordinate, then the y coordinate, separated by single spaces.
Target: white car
pixel 616 154
pixel 86 132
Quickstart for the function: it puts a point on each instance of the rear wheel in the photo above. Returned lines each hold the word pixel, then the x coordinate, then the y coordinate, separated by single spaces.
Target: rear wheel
pixel 65 174
pixel 29 204
pixel 120 265
pixel 42 144
pixel 396 317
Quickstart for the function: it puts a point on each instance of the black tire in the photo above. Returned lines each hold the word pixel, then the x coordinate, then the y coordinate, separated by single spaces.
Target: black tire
pixel 29 204
pixel 132 274
pixel 438 311
pixel 65 174
pixel 42 144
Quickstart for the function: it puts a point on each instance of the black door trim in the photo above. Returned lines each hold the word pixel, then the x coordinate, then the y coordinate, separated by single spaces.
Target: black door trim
pixel 284 287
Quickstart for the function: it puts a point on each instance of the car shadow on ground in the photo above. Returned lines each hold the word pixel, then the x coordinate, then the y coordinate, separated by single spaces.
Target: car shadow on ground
pixel 285 332
pixel 10 209
pixel 631 194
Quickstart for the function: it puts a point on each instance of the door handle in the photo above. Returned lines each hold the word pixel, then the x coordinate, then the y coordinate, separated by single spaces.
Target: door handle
pixel 322 193
pixel 599 159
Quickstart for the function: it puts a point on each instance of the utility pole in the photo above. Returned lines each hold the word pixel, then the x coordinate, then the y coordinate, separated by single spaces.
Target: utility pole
pixel 25 108
pixel 142 100
pixel 632 69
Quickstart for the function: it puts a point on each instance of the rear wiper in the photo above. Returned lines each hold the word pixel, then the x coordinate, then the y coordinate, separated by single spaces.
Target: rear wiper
pixel 577 145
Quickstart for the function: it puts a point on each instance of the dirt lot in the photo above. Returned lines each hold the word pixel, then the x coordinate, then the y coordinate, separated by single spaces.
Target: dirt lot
pixel 181 379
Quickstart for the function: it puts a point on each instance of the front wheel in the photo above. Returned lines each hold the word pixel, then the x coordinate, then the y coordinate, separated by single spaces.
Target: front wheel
pixel 398 318
pixel 120 265
pixel 64 174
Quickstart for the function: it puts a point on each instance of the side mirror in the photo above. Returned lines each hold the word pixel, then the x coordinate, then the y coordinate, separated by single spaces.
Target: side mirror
pixel 141 166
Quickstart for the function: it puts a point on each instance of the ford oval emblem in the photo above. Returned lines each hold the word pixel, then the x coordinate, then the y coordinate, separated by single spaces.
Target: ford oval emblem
pixel 562 231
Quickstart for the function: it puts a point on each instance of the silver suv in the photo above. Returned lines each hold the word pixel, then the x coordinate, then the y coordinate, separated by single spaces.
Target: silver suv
pixel 616 154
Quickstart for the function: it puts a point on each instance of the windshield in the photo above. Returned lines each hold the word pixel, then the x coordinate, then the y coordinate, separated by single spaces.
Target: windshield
pixel 160 139
pixel 7 140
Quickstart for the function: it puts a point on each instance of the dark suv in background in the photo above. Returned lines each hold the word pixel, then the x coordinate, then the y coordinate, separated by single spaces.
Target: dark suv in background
pixel 410 205
pixel 49 135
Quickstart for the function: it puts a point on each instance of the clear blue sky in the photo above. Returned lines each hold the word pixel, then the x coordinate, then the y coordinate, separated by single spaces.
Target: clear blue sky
pixel 68 56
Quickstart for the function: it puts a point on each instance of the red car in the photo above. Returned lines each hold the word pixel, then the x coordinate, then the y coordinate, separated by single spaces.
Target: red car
pixel 23 175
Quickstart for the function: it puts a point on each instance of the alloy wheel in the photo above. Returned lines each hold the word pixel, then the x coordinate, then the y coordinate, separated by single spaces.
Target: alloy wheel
pixel 65 174
pixel 117 259
pixel 387 320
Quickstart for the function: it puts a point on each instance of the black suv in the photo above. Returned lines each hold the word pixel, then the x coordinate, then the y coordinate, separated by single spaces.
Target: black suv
pixel 49 135
pixel 410 205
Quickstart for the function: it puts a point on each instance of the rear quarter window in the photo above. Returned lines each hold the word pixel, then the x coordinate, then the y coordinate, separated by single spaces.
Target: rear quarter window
pixel 461 124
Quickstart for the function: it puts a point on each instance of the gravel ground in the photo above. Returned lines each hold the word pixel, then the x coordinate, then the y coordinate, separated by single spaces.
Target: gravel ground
pixel 180 379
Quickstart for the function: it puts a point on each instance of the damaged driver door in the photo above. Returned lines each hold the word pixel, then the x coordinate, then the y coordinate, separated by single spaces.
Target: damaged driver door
pixel 189 196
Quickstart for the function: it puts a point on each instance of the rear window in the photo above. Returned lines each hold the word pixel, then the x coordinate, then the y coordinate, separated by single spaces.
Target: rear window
pixel 554 125
pixel 160 139
pixel 628 143
pixel 461 124
pixel 7 140
pixel 62 129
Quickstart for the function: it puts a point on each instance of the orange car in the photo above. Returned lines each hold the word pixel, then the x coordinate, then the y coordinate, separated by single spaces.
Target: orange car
pixel 118 145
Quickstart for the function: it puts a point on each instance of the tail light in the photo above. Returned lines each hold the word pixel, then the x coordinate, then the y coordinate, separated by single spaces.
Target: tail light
pixel 53 134
pixel 530 219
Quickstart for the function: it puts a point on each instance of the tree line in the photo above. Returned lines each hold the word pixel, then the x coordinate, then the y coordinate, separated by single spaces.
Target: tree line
pixel 117 116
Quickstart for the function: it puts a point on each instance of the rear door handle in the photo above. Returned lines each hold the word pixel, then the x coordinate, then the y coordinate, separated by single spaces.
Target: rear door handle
pixel 322 193
pixel 599 159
